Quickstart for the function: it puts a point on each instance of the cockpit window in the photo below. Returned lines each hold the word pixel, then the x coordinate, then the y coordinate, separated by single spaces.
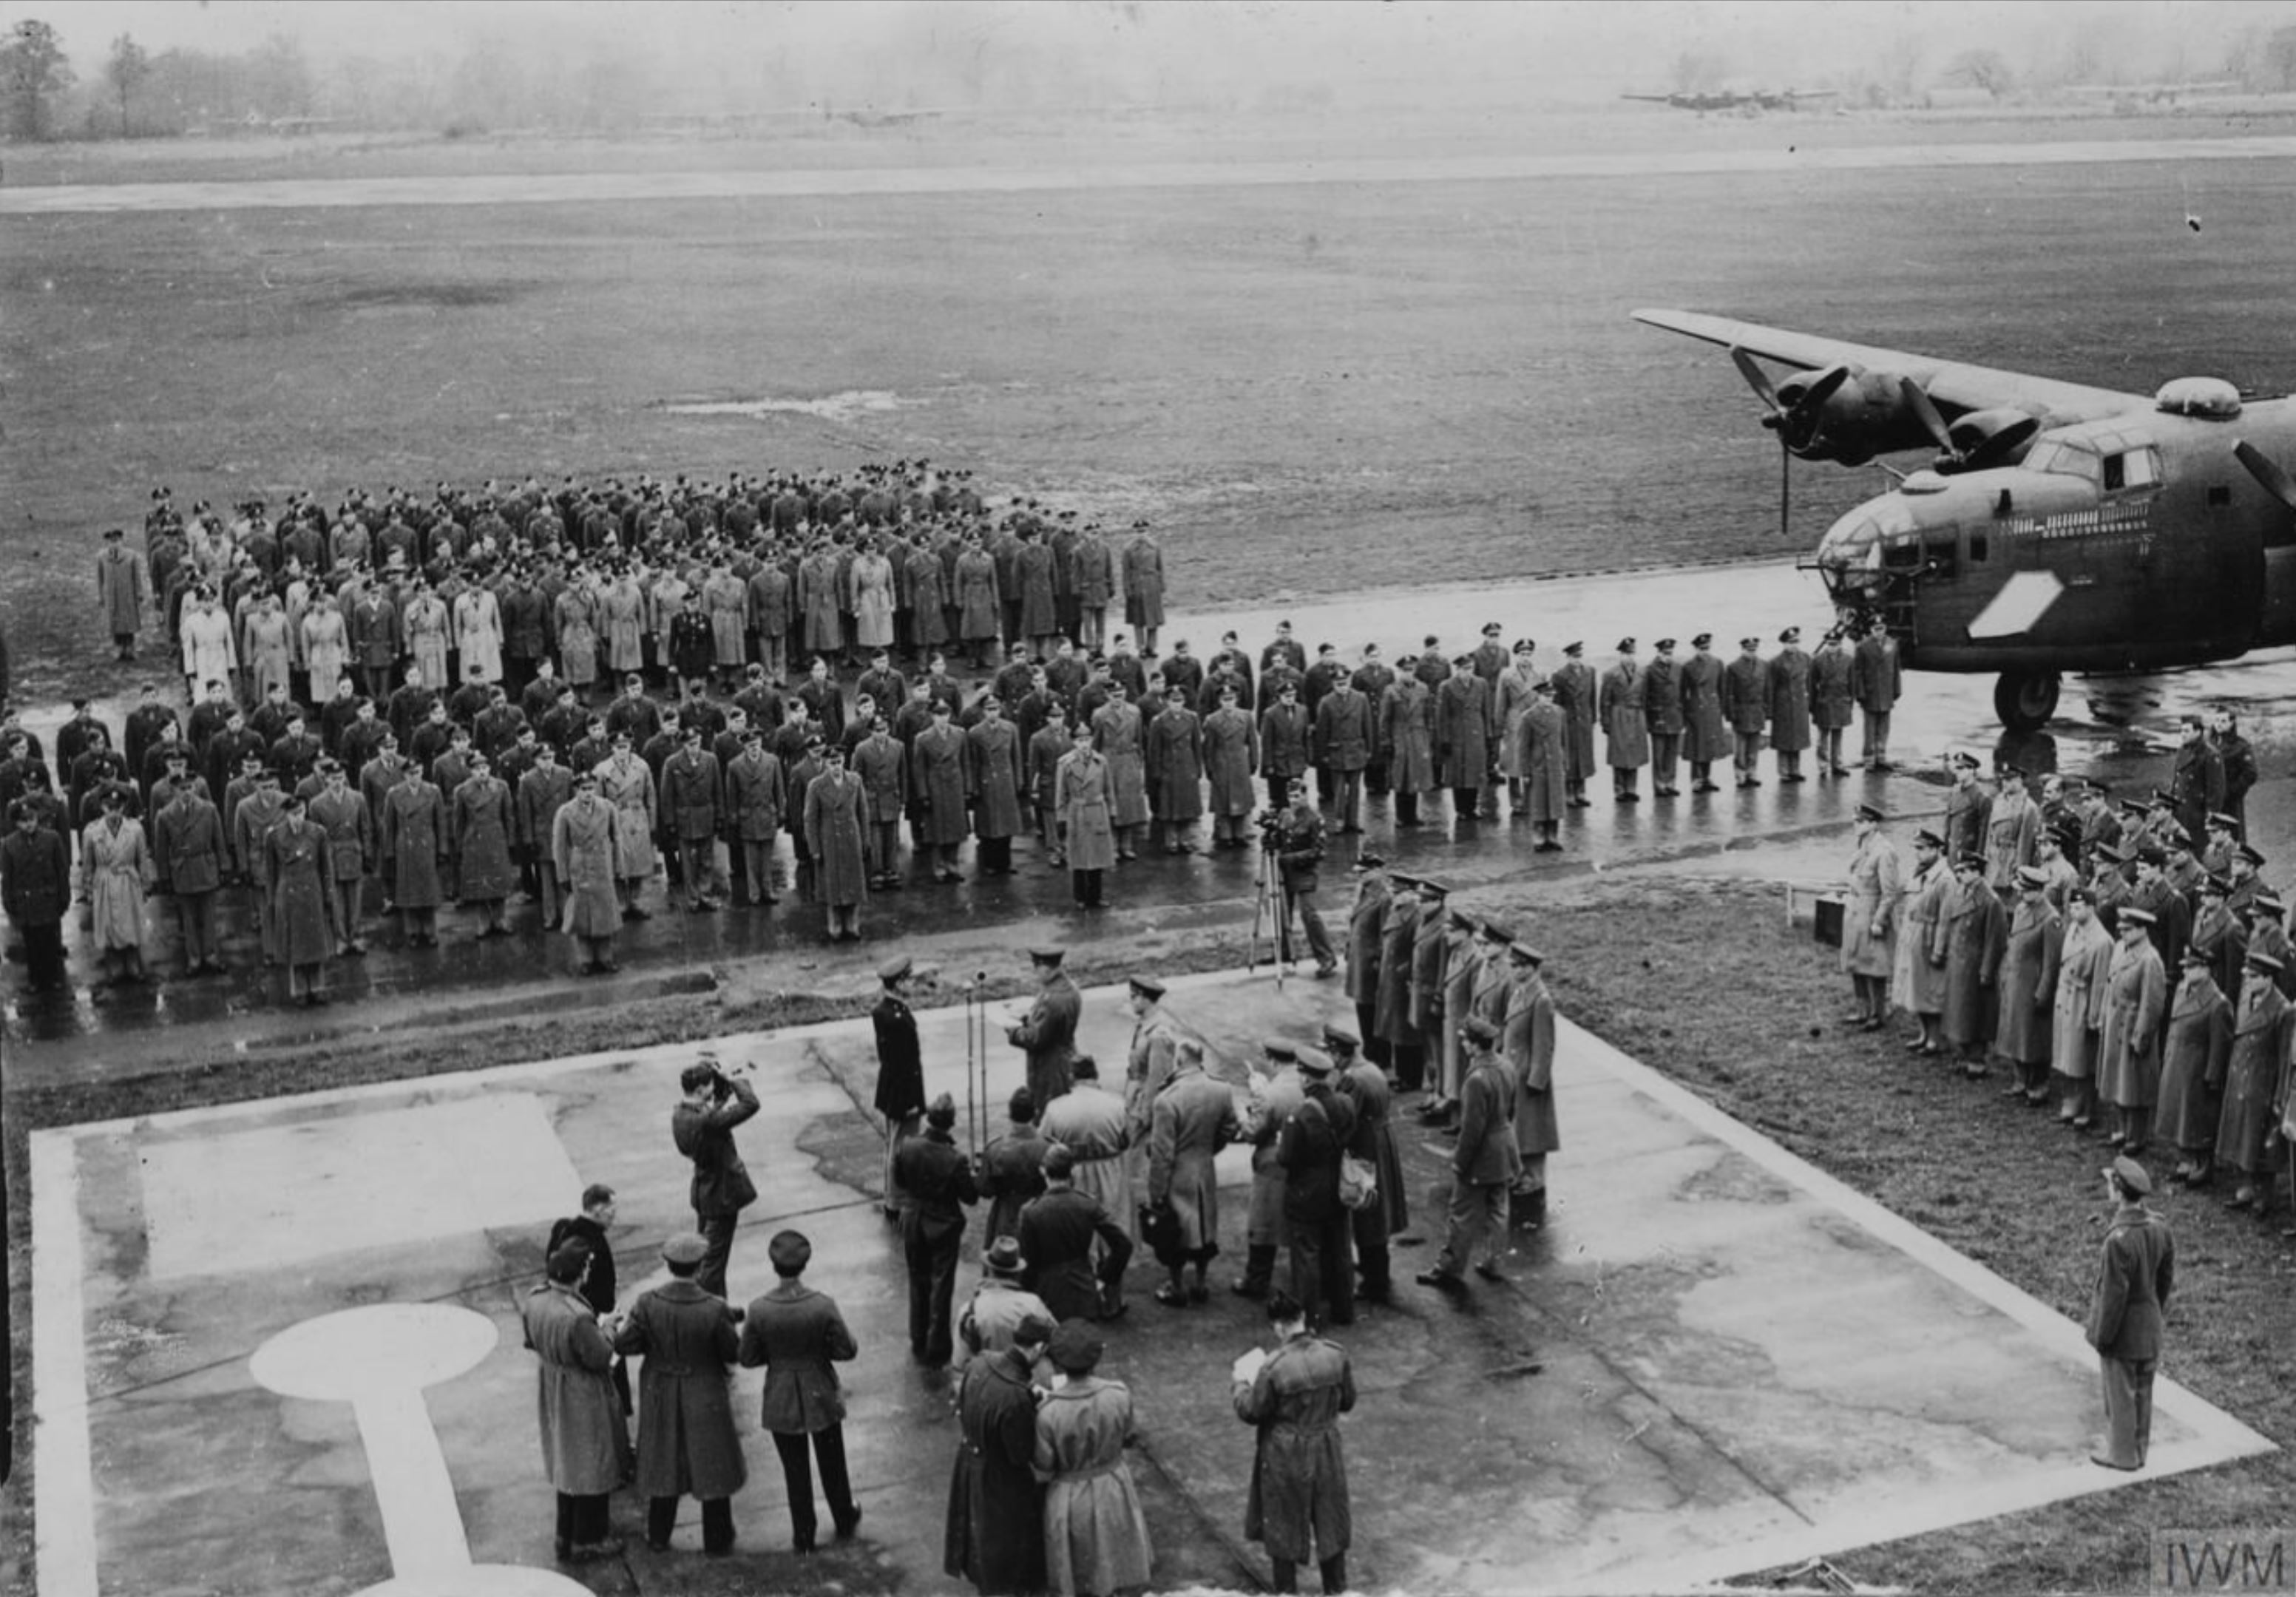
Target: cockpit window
pixel 2066 458
pixel 2131 469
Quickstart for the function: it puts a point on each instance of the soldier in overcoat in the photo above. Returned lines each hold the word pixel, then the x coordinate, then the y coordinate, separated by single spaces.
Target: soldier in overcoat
pixel 1875 682
pixel 585 857
pixel 1191 1119
pixel 1831 700
pixel 1972 930
pixel 1406 743
pixel 584 1438
pixel 1706 736
pixel 2255 1083
pixel 993 778
pixel 835 829
pixel 693 789
pixel 1576 693
pixel 1084 802
pixel 2128 1048
pixel 2027 987
pixel 939 781
pixel 995 1526
pixel 483 823
pixel 1120 735
pixel 1869 918
pixel 1789 705
pixel 2083 962
pixel 1340 747
pixel 1394 1017
pixel 1625 725
pixel 299 865
pixel 1463 736
pixel 1143 586
pixel 883 764
pixel 1096 1533
pixel 1175 757
pixel 120 593
pixel 1527 1044
pixel 1367 919
pixel 1231 746
pixel 2194 1050
pixel 1542 765
pixel 1746 706
pixel 544 788
pixel 756 797
pixel 1373 1141
pixel 187 840
pixel 626 783
pixel 686 1441
pixel 1298 1507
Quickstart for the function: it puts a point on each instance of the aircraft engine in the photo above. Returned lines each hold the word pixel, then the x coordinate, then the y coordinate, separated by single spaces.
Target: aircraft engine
pixel 1849 413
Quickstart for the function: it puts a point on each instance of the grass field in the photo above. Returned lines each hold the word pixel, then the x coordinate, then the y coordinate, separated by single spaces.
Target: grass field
pixel 1311 388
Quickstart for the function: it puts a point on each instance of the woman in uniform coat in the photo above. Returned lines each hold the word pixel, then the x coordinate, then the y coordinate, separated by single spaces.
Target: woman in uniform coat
pixel 2083 961
pixel 1084 803
pixel 300 867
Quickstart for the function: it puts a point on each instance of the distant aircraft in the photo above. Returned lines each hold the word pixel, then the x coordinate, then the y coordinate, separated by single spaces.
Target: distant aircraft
pixel 1732 100
pixel 2156 94
pixel 294 127
pixel 2060 527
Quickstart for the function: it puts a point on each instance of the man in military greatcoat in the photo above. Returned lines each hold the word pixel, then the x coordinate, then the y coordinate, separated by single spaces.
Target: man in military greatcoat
pixel 1746 706
pixel 1875 682
pixel 1789 683
pixel 686 1441
pixel 1626 727
pixel 1664 694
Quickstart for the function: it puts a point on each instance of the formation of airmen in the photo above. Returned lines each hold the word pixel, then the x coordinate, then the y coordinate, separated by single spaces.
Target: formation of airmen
pixel 2125 959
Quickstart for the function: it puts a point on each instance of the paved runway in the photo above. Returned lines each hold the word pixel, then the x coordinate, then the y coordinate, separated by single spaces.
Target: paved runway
pixel 1745 1363
pixel 1804 154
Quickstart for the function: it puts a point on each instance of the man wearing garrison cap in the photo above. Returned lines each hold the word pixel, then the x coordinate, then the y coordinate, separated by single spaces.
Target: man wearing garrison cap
pixel 686 1442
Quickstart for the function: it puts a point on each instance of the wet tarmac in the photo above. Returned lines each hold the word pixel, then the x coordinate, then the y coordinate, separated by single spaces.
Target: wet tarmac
pixel 1939 714
pixel 278 1342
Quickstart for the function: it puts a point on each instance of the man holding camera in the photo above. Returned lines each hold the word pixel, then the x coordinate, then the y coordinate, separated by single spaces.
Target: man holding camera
pixel 702 1126
pixel 1295 837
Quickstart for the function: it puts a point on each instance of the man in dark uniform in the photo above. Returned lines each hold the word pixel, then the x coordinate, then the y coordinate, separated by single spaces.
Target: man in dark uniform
pixel 1048 1032
pixel 1485 1165
pixel 799 1335
pixel 1662 701
pixel 900 1070
pixel 1875 681
pixel 937 1184
pixel 1060 1232
pixel 995 1534
pixel 1343 744
pixel 2126 1313
pixel 702 1126
pixel 686 1442
pixel 599 1287
pixel 1296 839
pixel 1627 729
pixel 1746 706
pixel 1575 693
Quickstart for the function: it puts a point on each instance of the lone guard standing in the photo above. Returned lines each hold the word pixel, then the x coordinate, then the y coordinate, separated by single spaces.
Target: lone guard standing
pixel 2125 1315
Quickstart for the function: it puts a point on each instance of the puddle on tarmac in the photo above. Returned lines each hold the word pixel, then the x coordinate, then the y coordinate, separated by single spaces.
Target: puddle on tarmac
pixel 828 407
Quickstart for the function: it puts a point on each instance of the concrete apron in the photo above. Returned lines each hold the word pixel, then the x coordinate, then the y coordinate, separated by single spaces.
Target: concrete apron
pixel 1745 1363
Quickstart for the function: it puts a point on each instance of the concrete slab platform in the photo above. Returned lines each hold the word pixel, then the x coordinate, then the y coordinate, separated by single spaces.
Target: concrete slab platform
pixel 1714 1359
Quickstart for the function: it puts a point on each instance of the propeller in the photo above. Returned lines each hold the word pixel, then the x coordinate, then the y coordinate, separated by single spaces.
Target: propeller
pixel 1795 424
pixel 2268 473
pixel 1986 437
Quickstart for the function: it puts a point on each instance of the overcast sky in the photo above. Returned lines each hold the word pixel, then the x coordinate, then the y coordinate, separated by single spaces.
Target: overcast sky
pixel 1574 47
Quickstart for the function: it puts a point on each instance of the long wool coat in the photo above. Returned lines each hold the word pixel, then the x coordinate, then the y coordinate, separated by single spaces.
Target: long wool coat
pixel 2260 1043
pixel 1230 756
pixel 586 849
pixel 413 841
pixel 583 1437
pixel 1119 733
pixel 1406 734
pixel 1176 764
pixel 2027 985
pixel 1574 696
pixel 2193 1054
pixel 629 787
pixel 1095 1534
pixel 1192 1119
pixel 1298 1506
pixel 119 591
pixel 2129 1050
pixel 1972 932
pixel 1705 738
pixel 1788 684
pixel 1875 895
pixel 686 1441
pixel 976 595
pixel 1919 980
pixel 1527 1044
pixel 1085 803
pixel 994 771
pixel 1624 726
pixel 995 1528
pixel 940 773
pixel 483 823
pixel 1540 760
pixel 1463 731
pixel 836 823
pixel 300 867
pixel 2083 960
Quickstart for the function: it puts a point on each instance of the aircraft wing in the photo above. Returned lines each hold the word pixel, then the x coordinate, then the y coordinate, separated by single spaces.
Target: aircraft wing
pixel 1653 99
pixel 1955 389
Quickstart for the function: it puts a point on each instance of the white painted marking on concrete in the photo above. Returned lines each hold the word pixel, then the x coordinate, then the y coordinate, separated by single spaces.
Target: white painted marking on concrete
pixel 2023 600
pixel 281 1194
pixel 64 1547
pixel 379 1358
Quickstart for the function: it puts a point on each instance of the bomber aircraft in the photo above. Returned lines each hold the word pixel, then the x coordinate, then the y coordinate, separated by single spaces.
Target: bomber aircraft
pixel 1732 99
pixel 2059 527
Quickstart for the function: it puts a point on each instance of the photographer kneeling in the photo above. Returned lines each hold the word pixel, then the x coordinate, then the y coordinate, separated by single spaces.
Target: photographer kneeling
pixel 1294 835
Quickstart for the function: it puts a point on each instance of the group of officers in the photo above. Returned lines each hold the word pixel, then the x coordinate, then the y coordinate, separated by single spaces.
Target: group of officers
pixel 2127 950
